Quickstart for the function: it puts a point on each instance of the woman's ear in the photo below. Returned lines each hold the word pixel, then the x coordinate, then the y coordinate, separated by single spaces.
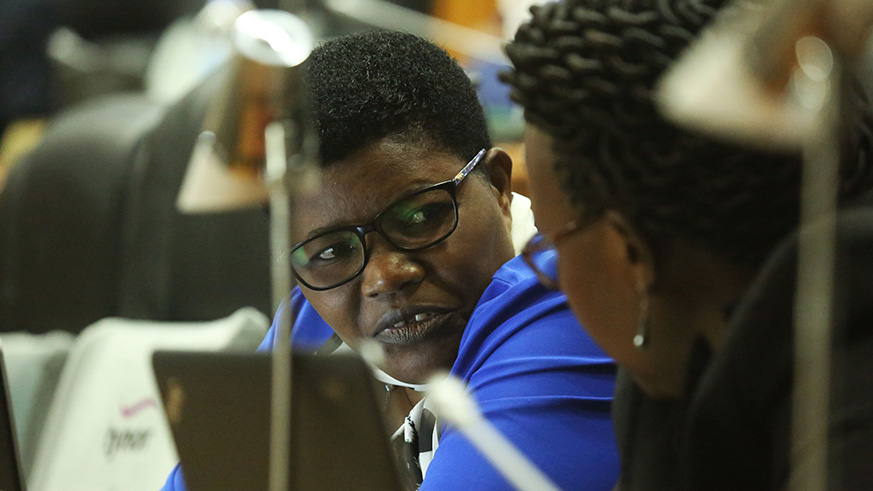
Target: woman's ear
pixel 500 170
pixel 637 251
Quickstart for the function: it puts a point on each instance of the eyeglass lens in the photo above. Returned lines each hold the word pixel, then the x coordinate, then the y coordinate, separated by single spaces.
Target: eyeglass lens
pixel 328 258
pixel 420 220
pixel 414 223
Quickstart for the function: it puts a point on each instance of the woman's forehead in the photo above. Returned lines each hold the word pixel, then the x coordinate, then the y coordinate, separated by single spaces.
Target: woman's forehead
pixel 357 188
pixel 391 158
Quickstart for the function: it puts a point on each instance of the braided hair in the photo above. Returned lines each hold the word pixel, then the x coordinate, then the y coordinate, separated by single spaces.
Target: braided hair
pixel 584 71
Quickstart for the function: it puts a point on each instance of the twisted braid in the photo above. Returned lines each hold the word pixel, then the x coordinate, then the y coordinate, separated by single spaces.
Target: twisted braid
pixel 584 72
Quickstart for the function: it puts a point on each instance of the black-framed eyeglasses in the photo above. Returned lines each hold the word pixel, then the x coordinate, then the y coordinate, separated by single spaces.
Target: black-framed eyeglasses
pixel 540 242
pixel 414 222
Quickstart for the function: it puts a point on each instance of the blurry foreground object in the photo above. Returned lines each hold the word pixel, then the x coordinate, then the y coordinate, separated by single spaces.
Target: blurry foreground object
pixel 258 144
pixel 758 74
pixel 774 77
pixel 89 227
pixel 456 405
pixel 102 428
pixel 19 138
pixel 104 46
pixel 191 49
pixel 228 167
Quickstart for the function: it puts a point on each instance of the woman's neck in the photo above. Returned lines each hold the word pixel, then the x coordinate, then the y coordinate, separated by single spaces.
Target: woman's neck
pixel 695 289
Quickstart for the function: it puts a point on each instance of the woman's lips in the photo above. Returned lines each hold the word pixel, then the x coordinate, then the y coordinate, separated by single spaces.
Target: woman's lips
pixel 410 328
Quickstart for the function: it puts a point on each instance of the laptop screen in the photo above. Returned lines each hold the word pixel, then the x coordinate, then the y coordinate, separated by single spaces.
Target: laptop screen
pixel 218 406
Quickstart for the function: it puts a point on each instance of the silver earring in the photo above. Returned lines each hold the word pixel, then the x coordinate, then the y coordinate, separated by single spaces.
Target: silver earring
pixel 641 338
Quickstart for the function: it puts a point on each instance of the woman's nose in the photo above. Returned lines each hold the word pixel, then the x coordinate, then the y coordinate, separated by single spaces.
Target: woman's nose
pixel 388 270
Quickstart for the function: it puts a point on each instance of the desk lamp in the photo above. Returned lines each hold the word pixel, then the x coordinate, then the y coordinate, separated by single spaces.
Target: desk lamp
pixel 258 145
pixel 771 74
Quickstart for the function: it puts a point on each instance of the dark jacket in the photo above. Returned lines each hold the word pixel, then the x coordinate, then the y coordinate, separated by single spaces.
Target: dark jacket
pixel 732 431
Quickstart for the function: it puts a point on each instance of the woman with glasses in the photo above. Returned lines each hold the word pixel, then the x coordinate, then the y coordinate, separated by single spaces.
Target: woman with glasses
pixel 407 247
pixel 677 255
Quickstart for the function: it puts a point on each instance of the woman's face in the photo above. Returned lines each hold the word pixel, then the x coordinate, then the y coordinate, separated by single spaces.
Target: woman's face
pixel 601 281
pixel 414 304
pixel 608 274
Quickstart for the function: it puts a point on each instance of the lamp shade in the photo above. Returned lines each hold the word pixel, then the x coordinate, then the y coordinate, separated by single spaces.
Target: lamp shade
pixel 264 84
pixel 756 75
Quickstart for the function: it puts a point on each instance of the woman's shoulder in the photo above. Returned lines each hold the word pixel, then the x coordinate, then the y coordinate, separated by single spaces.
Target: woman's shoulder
pixel 520 326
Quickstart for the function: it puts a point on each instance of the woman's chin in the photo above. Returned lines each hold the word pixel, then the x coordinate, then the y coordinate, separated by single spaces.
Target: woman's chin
pixel 656 387
pixel 416 364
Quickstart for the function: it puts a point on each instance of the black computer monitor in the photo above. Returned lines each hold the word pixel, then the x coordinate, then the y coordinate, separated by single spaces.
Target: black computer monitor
pixel 218 406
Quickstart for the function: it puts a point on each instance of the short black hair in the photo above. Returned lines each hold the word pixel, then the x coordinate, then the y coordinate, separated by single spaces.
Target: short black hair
pixel 371 85
pixel 584 71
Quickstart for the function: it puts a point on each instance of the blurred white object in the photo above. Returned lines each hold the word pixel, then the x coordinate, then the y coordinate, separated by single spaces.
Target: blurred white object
pixel 452 402
pixel 756 75
pixel 715 92
pixel 191 49
pixel 514 13
pixel 105 429
pixel 714 88
pixel 210 185
pixel 523 225
pixel 33 366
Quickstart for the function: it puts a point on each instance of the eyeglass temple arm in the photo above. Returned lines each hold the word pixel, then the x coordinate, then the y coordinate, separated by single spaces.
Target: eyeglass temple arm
pixel 469 167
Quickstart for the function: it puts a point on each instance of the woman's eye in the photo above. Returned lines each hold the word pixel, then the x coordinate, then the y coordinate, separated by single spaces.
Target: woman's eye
pixel 418 217
pixel 327 254
pixel 425 214
pixel 334 252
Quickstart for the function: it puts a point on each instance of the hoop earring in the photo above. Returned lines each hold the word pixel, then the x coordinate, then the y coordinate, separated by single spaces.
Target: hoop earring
pixel 641 338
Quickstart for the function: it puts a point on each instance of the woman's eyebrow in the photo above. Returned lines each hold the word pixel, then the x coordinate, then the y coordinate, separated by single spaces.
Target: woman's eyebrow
pixel 321 230
pixel 411 189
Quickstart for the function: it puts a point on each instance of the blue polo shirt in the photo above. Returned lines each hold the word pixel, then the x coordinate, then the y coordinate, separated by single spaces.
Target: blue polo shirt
pixel 536 375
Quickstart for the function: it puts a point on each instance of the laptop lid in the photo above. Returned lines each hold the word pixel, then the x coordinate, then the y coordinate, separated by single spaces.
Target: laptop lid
pixel 10 464
pixel 218 405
